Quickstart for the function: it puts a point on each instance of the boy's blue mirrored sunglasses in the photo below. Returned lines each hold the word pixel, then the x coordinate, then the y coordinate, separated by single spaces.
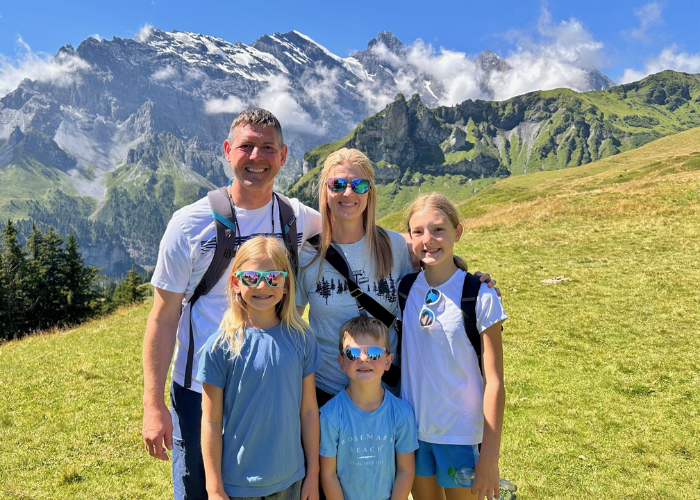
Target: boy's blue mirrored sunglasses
pixel 374 353
pixel 426 317
pixel 338 185
pixel 252 278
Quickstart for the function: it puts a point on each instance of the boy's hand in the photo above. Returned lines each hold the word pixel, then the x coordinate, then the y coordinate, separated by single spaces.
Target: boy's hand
pixel 486 278
pixel 309 488
pixel 486 479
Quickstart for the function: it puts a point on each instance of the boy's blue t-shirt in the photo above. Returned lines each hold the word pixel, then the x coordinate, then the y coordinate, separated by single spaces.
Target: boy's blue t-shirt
pixel 262 452
pixel 365 444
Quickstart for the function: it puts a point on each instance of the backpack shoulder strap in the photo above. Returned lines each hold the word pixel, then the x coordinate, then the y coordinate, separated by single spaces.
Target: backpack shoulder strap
pixel 225 222
pixel 288 221
pixel 470 292
pixel 404 288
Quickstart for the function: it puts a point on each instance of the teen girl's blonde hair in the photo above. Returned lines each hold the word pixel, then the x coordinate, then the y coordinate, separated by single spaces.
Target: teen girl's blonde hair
pixel 437 201
pixel 233 324
pixel 378 242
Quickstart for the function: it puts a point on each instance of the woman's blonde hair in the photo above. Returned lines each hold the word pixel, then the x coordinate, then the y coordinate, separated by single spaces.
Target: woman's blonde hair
pixel 378 242
pixel 233 324
pixel 437 201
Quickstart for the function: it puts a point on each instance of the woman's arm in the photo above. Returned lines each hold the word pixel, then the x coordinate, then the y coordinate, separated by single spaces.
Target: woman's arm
pixel 329 479
pixel 487 473
pixel 405 470
pixel 310 435
pixel 212 442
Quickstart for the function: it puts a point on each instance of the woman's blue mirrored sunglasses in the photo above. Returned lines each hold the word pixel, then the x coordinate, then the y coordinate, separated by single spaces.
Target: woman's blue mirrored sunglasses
pixel 338 185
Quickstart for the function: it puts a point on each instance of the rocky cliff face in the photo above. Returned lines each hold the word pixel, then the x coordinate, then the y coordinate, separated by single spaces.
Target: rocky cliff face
pixel 537 131
pixel 152 113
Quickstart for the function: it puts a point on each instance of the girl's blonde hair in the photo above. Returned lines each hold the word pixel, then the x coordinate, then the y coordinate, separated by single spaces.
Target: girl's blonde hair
pixel 233 323
pixel 437 201
pixel 378 242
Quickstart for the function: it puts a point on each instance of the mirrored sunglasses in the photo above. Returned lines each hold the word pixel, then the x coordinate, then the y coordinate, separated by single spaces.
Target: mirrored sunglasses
pixel 374 352
pixel 426 317
pixel 338 185
pixel 252 278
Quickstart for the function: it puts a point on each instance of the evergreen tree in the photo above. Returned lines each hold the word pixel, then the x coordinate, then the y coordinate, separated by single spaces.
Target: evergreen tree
pixel 129 290
pixel 13 278
pixel 48 282
pixel 81 292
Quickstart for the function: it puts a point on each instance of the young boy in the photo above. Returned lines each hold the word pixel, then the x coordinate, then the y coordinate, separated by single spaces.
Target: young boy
pixel 368 435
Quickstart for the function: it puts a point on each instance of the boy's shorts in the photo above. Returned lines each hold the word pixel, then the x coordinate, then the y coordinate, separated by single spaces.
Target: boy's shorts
pixel 434 460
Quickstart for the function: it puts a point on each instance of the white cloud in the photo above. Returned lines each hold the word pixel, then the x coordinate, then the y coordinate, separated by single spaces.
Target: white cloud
pixel 669 58
pixel 231 104
pixel 60 70
pixel 555 55
pixel 144 33
pixel 277 99
pixel 166 73
pixel 649 15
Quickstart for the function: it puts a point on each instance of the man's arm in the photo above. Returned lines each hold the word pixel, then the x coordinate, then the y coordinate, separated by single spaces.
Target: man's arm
pixel 405 470
pixel 329 479
pixel 212 441
pixel 310 433
pixel 158 346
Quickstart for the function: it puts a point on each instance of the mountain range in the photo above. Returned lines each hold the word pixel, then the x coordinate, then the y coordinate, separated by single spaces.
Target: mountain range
pixel 129 130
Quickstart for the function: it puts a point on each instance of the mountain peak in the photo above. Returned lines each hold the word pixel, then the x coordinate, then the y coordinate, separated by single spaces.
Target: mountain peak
pixel 387 39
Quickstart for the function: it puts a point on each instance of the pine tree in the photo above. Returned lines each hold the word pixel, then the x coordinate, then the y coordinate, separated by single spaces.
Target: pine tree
pixel 81 292
pixel 47 280
pixel 129 290
pixel 13 276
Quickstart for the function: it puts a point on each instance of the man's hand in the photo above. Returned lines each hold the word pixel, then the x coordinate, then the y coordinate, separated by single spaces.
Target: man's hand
pixel 157 431
pixel 486 278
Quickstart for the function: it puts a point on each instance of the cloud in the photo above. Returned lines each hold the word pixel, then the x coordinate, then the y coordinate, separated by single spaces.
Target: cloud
pixel 277 99
pixel 144 33
pixel 231 104
pixel 669 58
pixel 552 56
pixel 61 70
pixel 165 73
pixel 649 15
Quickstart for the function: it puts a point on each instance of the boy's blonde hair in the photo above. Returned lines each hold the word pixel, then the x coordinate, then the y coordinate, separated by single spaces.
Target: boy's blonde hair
pixel 437 201
pixel 364 325
pixel 233 323
pixel 378 242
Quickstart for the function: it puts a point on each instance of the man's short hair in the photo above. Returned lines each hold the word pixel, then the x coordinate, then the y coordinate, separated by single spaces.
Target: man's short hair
pixel 364 325
pixel 256 116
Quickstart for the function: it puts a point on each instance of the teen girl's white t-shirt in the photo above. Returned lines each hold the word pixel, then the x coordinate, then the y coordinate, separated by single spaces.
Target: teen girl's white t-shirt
pixel 440 375
pixel 187 249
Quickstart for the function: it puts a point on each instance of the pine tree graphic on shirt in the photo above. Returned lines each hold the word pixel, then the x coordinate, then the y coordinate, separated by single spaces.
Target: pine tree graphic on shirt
pixel 383 288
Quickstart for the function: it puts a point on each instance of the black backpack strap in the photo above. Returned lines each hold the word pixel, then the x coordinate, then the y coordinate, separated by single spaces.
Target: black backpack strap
pixel 392 377
pixel 404 288
pixel 225 223
pixel 470 292
pixel 288 221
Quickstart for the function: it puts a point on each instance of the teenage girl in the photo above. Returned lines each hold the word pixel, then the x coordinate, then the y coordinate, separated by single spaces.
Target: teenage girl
pixel 456 409
pixel 258 385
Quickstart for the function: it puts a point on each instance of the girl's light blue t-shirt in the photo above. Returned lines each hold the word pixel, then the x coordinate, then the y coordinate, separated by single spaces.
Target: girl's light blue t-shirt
pixel 262 452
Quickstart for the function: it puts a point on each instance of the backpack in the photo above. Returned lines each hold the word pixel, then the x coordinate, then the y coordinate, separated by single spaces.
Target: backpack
pixel 224 215
pixel 470 292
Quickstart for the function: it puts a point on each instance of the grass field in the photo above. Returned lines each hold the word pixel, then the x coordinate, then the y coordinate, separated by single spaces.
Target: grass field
pixel 602 368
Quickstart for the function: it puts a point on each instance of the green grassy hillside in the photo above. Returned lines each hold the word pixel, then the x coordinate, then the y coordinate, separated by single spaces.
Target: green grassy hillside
pixel 599 272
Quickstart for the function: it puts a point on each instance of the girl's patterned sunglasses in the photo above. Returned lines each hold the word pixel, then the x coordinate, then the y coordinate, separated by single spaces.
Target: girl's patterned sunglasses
pixel 252 278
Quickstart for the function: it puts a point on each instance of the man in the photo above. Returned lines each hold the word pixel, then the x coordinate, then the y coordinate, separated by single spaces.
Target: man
pixel 256 151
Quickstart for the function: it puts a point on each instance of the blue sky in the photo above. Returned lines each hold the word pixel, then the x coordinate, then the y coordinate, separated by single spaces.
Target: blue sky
pixel 625 39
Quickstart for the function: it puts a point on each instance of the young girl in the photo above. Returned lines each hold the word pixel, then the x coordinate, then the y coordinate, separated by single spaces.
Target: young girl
pixel 455 408
pixel 258 385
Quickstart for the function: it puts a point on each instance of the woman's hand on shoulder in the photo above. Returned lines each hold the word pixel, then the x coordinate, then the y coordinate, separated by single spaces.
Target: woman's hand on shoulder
pixel 486 278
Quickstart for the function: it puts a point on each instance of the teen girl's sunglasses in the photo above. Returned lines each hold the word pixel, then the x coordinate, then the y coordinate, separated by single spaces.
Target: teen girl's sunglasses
pixel 252 278
pixel 426 317
pixel 338 185
pixel 374 352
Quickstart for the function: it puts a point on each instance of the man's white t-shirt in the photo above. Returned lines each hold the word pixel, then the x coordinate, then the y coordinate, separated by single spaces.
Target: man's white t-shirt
pixel 440 376
pixel 187 249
